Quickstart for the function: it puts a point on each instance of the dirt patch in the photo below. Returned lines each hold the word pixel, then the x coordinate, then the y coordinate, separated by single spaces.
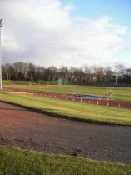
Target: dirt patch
pixel 20 127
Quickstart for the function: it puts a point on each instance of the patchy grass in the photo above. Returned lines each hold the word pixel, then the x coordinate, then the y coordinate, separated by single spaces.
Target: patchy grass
pixel 70 110
pixel 15 161
pixel 123 94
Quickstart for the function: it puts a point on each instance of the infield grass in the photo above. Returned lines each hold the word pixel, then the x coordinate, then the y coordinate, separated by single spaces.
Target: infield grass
pixel 116 93
pixel 70 110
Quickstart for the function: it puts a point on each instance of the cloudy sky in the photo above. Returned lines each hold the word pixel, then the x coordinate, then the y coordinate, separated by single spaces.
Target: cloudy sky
pixel 67 32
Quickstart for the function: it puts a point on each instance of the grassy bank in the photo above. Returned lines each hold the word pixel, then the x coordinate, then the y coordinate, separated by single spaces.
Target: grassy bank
pixel 14 161
pixel 123 94
pixel 71 110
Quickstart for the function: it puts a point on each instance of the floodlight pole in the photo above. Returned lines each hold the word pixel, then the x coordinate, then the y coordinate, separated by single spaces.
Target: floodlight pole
pixel 1 25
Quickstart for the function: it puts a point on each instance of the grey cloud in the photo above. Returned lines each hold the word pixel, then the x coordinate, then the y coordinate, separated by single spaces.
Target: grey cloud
pixel 45 33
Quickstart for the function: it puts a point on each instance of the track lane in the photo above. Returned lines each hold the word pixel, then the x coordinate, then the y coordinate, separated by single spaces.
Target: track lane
pixel 32 130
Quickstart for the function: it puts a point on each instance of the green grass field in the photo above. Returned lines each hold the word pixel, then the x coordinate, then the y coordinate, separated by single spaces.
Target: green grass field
pixel 123 94
pixel 70 110
pixel 14 161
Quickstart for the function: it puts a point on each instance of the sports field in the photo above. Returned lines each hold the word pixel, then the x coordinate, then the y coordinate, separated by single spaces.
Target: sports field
pixel 28 162
pixel 70 110
pixel 116 93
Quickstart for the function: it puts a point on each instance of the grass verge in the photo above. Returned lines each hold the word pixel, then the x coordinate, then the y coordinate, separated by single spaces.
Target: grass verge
pixel 70 110
pixel 16 161
pixel 117 93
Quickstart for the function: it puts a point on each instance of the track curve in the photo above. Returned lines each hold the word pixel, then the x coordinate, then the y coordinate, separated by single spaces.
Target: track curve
pixel 27 129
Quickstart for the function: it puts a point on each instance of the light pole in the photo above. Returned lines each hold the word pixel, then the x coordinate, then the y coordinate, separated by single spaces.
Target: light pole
pixel 1 25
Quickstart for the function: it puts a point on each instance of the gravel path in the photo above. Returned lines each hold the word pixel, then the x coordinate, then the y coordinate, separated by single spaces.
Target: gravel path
pixel 27 129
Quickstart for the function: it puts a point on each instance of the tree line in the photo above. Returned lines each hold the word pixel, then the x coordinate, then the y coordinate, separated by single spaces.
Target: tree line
pixel 101 76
